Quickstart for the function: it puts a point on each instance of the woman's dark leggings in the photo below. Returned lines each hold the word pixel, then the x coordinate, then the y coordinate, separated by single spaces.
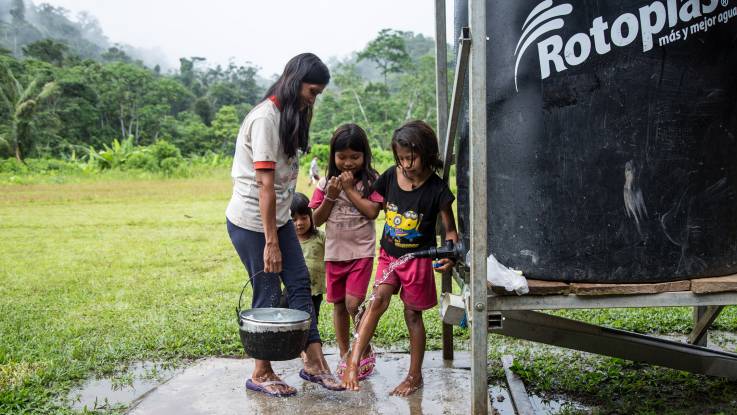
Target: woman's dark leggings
pixel 266 287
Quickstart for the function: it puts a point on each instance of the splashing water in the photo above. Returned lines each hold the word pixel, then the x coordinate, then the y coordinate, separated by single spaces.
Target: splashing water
pixel 367 303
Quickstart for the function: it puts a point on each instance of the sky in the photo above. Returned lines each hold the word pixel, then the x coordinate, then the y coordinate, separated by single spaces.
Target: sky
pixel 266 33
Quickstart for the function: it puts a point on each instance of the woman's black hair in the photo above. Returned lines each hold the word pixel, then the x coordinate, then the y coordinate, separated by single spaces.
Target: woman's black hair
pixel 301 206
pixel 294 126
pixel 351 136
pixel 420 138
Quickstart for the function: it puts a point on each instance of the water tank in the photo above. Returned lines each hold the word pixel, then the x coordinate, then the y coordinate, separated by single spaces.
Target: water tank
pixel 612 138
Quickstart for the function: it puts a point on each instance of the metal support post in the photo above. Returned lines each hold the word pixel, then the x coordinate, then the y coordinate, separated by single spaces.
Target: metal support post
pixel 441 68
pixel 479 211
pixel 441 98
pixel 459 84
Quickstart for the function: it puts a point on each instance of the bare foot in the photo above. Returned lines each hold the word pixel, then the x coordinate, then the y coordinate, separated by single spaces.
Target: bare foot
pixel 282 389
pixel 350 376
pixel 367 352
pixel 409 385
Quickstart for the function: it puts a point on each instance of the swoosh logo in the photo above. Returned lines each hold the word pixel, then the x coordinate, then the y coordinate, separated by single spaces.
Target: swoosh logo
pixel 541 20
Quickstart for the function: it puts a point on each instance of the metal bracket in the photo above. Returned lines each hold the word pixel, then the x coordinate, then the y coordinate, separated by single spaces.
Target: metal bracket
pixel 496 320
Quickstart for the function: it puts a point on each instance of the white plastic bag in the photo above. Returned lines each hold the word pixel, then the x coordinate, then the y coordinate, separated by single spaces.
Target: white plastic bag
pixel 501 276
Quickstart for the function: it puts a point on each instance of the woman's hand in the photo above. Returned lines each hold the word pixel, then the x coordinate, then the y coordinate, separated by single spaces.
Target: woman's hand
pixel 334 187
pixel 272 258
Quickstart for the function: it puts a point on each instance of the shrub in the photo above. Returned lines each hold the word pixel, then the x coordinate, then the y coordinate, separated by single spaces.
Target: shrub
pixel 170 164
pixel 142 160
pixel 162 150
pixel 12 166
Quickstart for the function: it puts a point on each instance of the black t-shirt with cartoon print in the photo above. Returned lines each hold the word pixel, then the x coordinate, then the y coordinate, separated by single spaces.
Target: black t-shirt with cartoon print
pixel 411 215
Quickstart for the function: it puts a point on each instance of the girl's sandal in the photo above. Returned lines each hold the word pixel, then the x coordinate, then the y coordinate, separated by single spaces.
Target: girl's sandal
pixel 365 367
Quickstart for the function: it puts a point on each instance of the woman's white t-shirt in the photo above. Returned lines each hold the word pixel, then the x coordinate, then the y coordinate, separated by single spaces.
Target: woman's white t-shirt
pixel 258 141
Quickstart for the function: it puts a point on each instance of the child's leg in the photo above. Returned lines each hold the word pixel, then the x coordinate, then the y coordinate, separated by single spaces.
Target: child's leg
pixel 341 322
pixel 366 329
pixel 357 287
pixel 417 337
pixel 335 275
pixel 351 304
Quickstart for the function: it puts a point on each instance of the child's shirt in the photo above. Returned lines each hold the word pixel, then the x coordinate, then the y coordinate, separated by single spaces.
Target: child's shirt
pixel 349 234
pixel 313 250
pixel 411 215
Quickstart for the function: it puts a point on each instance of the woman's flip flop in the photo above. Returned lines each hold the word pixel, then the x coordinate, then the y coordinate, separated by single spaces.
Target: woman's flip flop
pixel 262 388
pixel 320 380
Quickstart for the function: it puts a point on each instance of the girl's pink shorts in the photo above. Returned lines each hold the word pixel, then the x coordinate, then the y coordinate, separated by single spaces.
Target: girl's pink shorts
pixel 348 277
pixel 414 280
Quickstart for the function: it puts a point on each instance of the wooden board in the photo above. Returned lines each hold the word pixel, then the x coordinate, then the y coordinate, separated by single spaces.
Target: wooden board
pixel 624 289
pixel 538 287
pixel 714 285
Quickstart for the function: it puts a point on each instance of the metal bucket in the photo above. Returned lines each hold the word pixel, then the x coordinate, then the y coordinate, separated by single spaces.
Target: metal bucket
pixel 272 333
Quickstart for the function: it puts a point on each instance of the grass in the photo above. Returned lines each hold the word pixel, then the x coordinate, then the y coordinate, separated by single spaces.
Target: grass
pixel 99 272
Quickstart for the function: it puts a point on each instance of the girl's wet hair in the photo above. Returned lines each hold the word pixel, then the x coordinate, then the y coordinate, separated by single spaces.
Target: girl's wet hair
pixel 420 138
pixel 351 136
pixel 294 125
pixel 301 206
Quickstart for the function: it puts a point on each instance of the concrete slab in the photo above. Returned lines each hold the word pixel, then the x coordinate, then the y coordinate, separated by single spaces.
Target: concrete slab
pixel 216 386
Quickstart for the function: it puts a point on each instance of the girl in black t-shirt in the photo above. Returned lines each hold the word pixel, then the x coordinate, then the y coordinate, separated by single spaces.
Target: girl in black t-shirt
pixel 413 196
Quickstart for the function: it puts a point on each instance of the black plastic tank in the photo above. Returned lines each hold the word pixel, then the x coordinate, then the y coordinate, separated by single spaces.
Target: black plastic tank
pixel 612 138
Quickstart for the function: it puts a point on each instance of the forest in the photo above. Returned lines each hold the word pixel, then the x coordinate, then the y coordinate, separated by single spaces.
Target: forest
pixel 67 93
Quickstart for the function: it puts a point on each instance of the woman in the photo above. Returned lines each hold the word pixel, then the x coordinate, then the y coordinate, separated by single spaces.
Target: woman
pixel 265 169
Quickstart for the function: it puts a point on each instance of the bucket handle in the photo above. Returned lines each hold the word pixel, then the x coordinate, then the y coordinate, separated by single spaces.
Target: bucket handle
pixel 240 298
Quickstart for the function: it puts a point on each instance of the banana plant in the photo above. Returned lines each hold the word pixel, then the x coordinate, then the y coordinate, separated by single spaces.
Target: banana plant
pixel 22 102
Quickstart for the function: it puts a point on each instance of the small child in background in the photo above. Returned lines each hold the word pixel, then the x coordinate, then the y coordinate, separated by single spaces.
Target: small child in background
pixel 312 242
pixel 413 196
pixel 350 243
pixel 314 171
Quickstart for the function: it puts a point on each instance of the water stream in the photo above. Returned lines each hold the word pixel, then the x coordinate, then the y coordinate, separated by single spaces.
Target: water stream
pixel 367 302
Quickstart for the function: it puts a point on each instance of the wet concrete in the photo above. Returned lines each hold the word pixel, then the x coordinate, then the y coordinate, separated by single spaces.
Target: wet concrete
pixel 121 389
pixel 216 386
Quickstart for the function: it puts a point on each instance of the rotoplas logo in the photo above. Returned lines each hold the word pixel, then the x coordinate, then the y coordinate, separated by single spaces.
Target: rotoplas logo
pixel 659 21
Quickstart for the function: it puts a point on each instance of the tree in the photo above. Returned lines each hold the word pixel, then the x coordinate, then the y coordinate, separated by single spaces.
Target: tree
pixel 18 11
pixel 203 108
pixel 22 103
pixel 388 51
pixel 225 128
pixel 115 54
pixel 47 50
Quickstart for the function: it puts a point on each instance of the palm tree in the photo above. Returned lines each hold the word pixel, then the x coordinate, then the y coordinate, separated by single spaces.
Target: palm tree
pixel 22 103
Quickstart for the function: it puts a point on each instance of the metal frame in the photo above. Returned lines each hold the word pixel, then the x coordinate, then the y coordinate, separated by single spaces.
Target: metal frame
pixel 477 315
pixel 513 315
pixel 441 98
pixel 555 302
pixel 572 334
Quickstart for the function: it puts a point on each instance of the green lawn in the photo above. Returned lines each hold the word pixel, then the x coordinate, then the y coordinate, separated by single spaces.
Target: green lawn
pixel 97 273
